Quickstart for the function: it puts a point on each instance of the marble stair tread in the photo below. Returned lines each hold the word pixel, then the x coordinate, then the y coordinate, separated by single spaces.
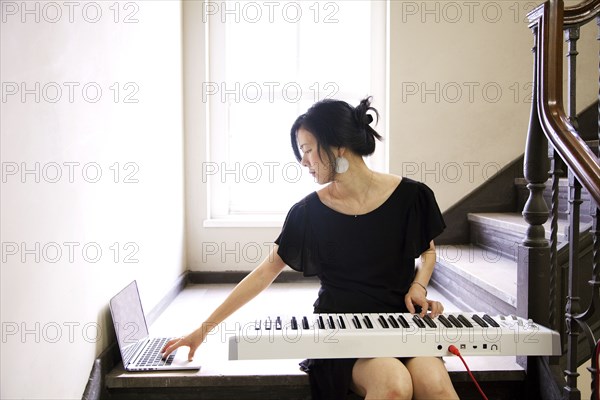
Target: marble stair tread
pixel 487 269
pixel 514 222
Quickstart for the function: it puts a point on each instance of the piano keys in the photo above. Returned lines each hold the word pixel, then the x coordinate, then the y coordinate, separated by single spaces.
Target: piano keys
pixel 390 335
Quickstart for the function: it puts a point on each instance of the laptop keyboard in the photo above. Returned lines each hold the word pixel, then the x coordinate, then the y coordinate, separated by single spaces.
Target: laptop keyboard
pixel 152 357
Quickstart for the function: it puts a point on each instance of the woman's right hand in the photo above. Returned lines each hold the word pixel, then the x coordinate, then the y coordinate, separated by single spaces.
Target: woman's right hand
pixel 193 341
pixel 254 283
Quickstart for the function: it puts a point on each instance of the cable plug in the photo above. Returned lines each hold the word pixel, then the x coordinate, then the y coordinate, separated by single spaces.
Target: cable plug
pixel 454 350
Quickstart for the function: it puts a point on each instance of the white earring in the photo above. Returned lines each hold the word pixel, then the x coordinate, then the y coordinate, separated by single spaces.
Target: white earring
pixel 341 165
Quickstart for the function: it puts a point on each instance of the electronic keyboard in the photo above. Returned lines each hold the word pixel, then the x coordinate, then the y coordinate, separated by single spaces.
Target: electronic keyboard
pixel 390 335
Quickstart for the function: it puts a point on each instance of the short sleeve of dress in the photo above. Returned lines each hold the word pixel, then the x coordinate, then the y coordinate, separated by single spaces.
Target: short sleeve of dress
pixel 295 245
pixel 425 222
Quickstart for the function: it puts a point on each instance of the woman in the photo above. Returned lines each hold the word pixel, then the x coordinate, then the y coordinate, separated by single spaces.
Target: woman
pixel 360 234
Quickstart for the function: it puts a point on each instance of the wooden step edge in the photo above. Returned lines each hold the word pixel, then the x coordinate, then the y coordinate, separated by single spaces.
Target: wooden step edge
pixel 490 369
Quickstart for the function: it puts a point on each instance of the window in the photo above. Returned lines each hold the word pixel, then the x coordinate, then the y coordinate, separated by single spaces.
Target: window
pixel 269 62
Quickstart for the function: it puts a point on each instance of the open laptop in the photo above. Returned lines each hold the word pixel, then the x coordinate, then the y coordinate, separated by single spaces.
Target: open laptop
pixel 139 351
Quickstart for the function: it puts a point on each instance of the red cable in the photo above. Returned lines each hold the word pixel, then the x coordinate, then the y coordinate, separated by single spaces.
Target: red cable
pixel 454 350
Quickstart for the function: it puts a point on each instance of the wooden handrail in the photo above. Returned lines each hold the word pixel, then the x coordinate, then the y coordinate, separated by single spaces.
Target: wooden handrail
pixel 581 14
pixel 573 16
pixel 555 123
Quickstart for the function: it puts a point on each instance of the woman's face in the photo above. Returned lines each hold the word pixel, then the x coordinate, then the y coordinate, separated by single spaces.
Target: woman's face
pixel 316 163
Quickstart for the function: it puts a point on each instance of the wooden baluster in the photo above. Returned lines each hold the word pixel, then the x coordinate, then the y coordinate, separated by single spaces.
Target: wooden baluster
pixel 595 209
pixel 556 172
pixel 573 307
pixel 595 232
pixel 534 251
pixel 595 282
pixel 572 36
pixel 556 308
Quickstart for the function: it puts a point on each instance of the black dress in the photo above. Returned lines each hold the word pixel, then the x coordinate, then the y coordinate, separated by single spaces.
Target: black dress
pixel 365 263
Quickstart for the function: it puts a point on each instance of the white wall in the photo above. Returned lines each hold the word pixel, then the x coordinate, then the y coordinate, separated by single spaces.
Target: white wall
pixel 459 104
pixel 54 308
pixel 57 310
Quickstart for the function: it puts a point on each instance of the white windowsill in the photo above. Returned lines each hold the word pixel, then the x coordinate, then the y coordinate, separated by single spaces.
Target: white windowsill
pixel 258 221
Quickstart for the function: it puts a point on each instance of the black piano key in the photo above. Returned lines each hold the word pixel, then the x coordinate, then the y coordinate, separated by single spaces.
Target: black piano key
pixel 383 322
pixel 418 321
pixel 465 321
pixel 454 321
pixel 403 322
pixel 368 322
pixel 278 323
pixel 341 322
pixel 257 324
pixel 356 322
pixel 393 322
pixel 320 322
pixel 294 323
pixel 479 321
pixel 429 321
pixel 268 324
pixel 444 321
pixel 305 324
pixel 330 322
pixel 491 321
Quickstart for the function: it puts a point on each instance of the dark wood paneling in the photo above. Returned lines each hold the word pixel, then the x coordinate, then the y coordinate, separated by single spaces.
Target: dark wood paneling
pixel 209 277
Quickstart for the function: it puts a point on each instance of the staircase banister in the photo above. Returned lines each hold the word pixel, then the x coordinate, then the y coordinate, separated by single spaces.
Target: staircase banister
pixel 535 15
pixel 561 133
pixel 576 15
pixel 581 13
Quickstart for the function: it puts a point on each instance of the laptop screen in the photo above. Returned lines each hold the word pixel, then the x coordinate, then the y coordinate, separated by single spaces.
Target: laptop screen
pixel 129 320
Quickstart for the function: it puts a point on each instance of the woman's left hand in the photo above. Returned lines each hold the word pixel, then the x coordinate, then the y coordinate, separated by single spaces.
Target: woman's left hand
pixel 416 296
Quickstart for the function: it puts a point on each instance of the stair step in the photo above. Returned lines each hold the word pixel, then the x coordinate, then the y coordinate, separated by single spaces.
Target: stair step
pixel 503 232
pixel 494 273
pixel 515 222
pixel 476 279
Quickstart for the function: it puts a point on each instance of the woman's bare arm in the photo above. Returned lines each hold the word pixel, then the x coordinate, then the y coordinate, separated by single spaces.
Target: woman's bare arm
pixel 254 283
pixel 417 293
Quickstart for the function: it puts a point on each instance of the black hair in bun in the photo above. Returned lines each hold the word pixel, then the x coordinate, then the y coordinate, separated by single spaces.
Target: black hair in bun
pixel 336 123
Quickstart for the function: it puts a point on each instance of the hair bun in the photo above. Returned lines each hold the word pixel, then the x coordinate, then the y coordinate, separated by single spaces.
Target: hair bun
pixel 361 112
pixel 335 123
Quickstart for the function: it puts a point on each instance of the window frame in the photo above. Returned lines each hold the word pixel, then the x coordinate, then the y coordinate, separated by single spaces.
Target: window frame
pixel 216 143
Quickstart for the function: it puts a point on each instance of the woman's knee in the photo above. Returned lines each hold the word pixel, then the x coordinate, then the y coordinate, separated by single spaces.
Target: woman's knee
pixel 396 389
pixel 382 379
pixel 431 379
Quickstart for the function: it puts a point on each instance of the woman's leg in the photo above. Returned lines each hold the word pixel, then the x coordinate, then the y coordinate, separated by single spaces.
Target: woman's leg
pixel 430 378
pixel 381 378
